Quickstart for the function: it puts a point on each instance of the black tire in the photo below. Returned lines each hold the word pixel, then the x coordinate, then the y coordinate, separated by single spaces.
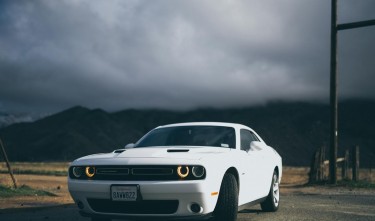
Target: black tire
pixel 227 205
pixel 272 202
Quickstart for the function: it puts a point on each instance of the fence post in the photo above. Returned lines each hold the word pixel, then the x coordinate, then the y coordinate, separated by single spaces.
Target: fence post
pixel 321 162
pixel 371 172
pixel 345 165
pixel 313 175
pixel 355 163
pixel 8 164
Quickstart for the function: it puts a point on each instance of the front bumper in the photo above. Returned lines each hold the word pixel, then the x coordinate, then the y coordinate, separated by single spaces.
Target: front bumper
pixel 186 193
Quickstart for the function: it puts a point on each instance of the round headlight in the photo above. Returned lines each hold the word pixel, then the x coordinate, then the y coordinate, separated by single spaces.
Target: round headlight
pixel 198 171
pixel 183 171
pixel 77 171
pixel 90 171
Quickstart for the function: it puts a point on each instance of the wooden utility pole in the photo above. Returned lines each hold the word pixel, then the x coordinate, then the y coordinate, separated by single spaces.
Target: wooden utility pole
pixel 355 25
pixel 333 96
pixel 333 85
pixel 8 164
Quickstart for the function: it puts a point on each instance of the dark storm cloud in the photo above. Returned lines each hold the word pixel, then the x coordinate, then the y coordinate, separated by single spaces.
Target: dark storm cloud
pixel 177 54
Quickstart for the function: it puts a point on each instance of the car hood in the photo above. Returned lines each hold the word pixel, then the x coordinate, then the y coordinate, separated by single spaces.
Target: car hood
pixel 190 153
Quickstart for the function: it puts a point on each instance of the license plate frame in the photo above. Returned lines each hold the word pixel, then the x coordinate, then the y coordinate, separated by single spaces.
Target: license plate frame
pixel 125 193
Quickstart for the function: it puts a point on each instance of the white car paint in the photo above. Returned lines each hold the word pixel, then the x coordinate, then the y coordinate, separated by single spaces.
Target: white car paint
pixel 255 169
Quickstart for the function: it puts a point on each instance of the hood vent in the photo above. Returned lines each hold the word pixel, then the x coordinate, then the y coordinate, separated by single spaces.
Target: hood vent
pixel 119 151
pixel 177 150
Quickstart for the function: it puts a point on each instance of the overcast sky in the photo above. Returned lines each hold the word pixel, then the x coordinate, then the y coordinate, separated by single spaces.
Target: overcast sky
pixel 178 54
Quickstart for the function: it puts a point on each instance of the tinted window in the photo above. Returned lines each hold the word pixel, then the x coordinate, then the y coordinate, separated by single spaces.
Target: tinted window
pixel 216 136
pixel 246 138
pixel 254 136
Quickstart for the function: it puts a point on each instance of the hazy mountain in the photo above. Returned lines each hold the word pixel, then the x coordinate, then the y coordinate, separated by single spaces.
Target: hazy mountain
pixel 7 119
pixel 295 130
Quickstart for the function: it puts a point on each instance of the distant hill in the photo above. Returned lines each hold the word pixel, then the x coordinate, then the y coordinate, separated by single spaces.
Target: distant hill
pixel 295 130
pixel 7 119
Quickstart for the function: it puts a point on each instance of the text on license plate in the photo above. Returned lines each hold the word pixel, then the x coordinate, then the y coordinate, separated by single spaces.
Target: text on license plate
pixel 124 193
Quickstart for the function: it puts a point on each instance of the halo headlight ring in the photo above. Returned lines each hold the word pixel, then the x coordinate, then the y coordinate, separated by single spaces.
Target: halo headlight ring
pixel 198 171
pixel 77 172
pixel 90 171
pixel 183 171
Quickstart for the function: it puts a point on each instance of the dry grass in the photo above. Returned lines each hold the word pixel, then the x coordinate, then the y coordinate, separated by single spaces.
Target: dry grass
pixel 52 184
pixel 364 174
pixel 293 176
pixel 38 168
pixel 50 177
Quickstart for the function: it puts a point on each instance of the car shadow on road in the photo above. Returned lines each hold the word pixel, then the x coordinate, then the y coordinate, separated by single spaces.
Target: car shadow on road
pixel 250 211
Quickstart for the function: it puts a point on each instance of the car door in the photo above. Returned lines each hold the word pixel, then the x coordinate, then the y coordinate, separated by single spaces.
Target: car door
pixel 252 164
pixel 265 165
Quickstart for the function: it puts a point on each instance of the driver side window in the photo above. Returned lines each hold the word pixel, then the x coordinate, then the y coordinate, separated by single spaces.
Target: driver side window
pixel 246 138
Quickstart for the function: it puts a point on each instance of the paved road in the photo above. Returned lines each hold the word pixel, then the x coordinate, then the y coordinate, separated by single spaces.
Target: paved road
pixel 293 208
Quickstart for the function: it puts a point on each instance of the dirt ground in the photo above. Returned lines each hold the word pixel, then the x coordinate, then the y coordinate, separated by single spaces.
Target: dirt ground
pixel 54 184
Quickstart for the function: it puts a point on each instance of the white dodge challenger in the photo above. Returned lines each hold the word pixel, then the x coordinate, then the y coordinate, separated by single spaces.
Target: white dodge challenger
pixel 188 171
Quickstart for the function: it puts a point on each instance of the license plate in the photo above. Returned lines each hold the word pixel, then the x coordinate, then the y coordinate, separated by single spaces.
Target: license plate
pixel 124 193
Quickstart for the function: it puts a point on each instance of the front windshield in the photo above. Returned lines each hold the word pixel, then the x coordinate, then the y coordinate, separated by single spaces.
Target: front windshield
pixel 215 136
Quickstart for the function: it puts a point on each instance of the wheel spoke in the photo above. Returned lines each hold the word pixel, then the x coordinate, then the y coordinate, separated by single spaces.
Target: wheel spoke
pixel 276 200
pixel 276 194
pixel 275 187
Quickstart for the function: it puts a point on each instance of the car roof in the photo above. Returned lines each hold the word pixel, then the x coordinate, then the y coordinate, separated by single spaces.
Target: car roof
pixel 222 124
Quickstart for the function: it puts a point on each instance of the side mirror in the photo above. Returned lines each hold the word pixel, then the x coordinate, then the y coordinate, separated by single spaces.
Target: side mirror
pixel 256 146
pixel 129 146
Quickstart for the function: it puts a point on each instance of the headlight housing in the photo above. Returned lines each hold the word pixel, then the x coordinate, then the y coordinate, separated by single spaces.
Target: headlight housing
pixel 183 171
pixel 77 172
pixel 90 171
pixel 82 172
pixel 198 171
pixel 191 172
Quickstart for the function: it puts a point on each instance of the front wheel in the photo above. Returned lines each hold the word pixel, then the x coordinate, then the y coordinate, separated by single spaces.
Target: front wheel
pixel 227 204
pixel 271 204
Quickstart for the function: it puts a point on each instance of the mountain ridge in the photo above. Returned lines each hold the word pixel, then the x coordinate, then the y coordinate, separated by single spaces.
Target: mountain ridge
pixel 294 129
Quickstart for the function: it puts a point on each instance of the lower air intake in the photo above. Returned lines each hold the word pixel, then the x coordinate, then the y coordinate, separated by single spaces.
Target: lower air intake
pixel 141 207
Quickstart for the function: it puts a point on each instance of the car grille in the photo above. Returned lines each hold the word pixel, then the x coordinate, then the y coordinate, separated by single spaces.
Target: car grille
pixel 152 171
pixel 138 207
pixel 112 171
pixel 135 173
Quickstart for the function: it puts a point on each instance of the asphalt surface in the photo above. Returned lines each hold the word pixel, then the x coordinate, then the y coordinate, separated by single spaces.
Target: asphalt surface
pixel 298 207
